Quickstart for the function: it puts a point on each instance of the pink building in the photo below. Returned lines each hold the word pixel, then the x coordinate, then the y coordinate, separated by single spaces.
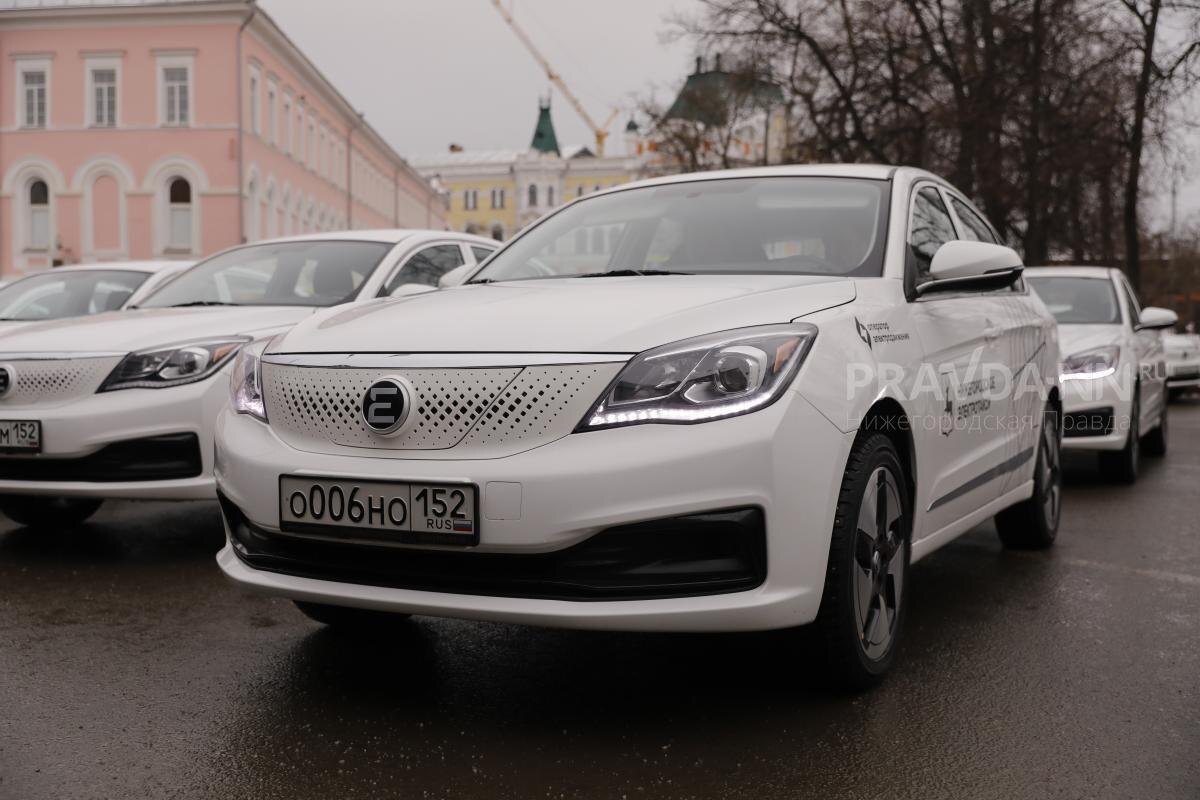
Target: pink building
pixel 148 128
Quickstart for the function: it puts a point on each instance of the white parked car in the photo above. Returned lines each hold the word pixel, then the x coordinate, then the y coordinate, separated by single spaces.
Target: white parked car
pixel 122 405
pixel 700 403
pixel 1114 368
pixel 82 290
pixel 1183 361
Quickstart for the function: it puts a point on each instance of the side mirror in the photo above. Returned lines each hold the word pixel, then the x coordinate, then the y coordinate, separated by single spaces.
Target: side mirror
pixel 971 265
pixel 456 276
pixel 1154 318
pixel 411 288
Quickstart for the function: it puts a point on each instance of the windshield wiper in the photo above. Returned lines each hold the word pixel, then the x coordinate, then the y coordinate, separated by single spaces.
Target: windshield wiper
pixel 616 273
pixel 482 280
pixel 193 303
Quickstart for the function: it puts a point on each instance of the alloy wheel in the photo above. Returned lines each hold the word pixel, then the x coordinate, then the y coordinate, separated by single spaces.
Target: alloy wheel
pixel 880 556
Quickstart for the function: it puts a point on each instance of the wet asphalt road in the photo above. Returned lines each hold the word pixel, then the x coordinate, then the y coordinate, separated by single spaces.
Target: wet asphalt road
pixel 130 669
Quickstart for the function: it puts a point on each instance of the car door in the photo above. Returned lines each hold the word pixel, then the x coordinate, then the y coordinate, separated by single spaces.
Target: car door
pixel 960 397
pixel 421 270
pixel 1151 357
pixel 1021 342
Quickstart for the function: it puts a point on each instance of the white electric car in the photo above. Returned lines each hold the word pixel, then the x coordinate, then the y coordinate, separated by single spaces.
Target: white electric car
pixel 1183 362
pixel 122 404
pixel 81 290
pixel 1114 367
pixel 722 401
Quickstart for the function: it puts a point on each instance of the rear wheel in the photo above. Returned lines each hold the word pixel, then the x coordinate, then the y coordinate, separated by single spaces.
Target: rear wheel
pixel 48 512
pixel 1033 524
pixel 1156 440
pixel 863 603
pixel 346 618
pixel 1121 466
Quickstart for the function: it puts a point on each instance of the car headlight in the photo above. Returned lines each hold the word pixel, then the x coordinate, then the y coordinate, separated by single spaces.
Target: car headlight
pixel 709 377
pixel 1091 364
pixel 172 366
pixel 245 384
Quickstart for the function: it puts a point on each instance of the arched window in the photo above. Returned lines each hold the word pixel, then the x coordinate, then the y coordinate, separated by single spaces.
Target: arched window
pixel 39 215
pixel 550 196
pixel 532 195
pixel 179 205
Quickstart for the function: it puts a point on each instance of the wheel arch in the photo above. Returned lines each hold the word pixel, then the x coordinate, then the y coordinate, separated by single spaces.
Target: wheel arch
pixel 888 417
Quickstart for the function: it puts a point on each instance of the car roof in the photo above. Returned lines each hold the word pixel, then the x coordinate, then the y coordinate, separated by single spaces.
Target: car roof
pixel 115 266
pixel 1069 271
pixel 385 235
pixel 879 172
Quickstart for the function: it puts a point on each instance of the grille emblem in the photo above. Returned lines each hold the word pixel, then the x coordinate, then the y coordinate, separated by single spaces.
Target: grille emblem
pixel 386 405
pixel 7 379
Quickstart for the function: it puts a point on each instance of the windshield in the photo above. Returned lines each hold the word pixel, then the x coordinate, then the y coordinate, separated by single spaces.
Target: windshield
pixel 322 273
pixel 783 225
pixel 1078 301
pixel 56 295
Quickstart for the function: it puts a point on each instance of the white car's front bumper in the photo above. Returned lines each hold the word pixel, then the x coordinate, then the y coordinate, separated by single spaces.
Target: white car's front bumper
pixel 786 460
pixel 1091 407
pixel 1182 373
pixel 73 434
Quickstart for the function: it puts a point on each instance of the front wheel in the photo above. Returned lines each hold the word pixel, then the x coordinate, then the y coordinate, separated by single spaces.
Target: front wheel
pixel 1033 524
pixel 1156 440
pixel 863 603
pixel 39 512
pixel 1121 466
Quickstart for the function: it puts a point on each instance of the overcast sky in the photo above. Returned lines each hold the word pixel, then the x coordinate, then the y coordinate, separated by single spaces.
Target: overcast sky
pixel 431 72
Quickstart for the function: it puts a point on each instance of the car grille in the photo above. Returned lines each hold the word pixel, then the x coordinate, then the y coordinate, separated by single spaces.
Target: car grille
pixel 475 412
pixel 54 381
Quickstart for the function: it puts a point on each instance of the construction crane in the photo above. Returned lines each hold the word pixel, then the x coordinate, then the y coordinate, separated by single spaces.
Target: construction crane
pixel 599 131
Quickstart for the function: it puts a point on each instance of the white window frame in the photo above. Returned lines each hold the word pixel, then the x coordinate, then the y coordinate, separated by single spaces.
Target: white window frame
pixel 162 64
pixel 298 142
pixel 24 65
pixel 310 143
pixel 90 65
pixel 27 218
pixel 273 112
pixel 165 220
pixel 286 142
pixel 254 97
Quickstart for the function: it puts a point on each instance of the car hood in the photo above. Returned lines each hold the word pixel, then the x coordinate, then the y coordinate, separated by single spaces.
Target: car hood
pixel 1074 339
pixel 139 329
pixel 577 315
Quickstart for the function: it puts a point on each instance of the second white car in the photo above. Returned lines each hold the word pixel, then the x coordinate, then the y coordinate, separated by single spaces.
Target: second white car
pixel 122 404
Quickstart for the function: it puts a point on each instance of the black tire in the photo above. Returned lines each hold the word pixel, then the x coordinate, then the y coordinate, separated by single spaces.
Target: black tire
pixel 1033 524
pixel 46 513
pixel 1121 466
pixel 844 628
pixel 1176 393
pixel 1155 443
pixel 346 618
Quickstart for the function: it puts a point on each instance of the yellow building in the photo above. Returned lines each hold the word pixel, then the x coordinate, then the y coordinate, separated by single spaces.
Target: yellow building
pixel 497 192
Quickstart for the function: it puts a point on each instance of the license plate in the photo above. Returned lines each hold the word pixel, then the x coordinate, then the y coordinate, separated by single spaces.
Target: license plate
pixel 409 513
pixel 20 436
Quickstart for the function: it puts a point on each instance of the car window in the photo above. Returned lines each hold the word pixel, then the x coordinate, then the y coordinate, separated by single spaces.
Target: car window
pixel 974 228
pixel 773 225
pixel 68 294
pixel 1077 301
pixel 481 253
pixel 307 273
pixel 427 266
pixel 929 229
